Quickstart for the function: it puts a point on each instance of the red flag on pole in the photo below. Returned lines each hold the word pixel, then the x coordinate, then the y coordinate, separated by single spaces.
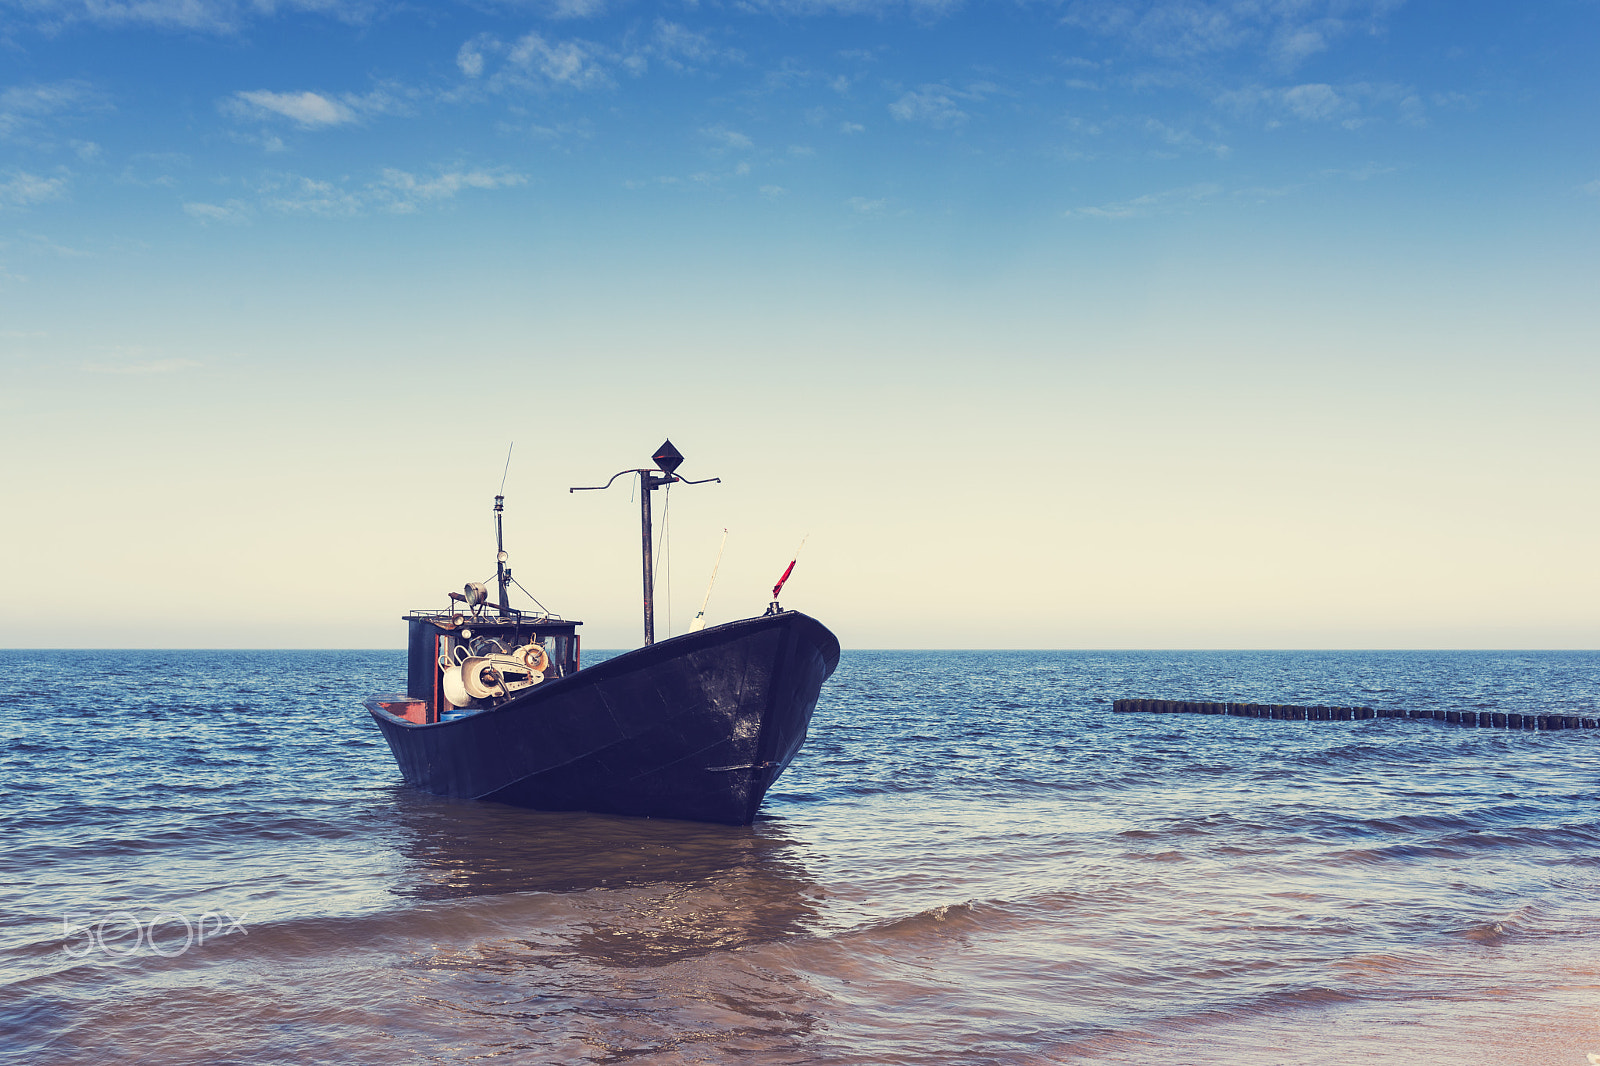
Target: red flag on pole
pixel 779 586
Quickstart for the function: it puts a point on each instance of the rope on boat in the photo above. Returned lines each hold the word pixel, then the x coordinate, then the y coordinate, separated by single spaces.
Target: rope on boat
pixel 664 551
pixel 531 596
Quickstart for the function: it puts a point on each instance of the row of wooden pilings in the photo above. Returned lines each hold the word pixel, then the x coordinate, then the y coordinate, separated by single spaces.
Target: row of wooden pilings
pixel 1285 712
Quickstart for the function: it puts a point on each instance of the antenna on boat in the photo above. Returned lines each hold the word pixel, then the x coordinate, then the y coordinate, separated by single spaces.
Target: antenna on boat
pixel 667 459
pixel 502 571
pixel 699 622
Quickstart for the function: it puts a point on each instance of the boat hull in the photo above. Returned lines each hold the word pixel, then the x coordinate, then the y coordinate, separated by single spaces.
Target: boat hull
pixel 696 727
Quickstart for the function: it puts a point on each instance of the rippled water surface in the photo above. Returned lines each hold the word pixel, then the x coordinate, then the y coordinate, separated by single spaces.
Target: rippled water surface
pixel 973 861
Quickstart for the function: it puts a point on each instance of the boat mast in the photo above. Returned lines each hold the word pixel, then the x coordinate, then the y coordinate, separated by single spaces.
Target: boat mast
pixel 502 571
pixel 667 459
pixel 648 483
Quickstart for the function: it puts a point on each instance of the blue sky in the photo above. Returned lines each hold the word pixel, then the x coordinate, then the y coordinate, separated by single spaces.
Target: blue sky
pixel 1240 324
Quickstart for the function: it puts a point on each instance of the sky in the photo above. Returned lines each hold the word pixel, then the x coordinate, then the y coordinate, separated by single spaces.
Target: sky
pixel 1082 324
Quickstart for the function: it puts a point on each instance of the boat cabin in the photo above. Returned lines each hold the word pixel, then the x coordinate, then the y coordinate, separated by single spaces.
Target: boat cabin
pixel 459 663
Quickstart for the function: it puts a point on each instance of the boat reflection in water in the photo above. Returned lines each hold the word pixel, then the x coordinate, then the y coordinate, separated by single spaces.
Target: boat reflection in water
pixel 613 890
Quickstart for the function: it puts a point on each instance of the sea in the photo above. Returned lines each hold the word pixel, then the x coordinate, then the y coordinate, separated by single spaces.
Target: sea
pixel 209 857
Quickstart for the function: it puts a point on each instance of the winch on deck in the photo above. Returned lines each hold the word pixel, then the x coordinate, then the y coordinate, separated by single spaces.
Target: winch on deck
pixel 460 662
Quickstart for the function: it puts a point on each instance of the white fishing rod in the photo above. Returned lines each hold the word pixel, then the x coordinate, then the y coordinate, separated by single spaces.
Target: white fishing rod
pixel 699 622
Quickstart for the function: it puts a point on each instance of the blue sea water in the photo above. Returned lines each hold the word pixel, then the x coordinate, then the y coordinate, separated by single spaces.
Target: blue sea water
pixel 208 857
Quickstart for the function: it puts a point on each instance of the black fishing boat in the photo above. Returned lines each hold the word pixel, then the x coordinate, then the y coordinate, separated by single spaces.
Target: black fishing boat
pixel 498 707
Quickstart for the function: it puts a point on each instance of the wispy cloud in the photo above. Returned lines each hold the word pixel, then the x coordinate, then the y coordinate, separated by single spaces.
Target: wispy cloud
pixel 470 57
pixel 1179 137
pixel 1314 102
pixel 541 62
pixel 394 191
pixel 403 192
pixel 569 9
pixel 25 106
pixel 938 105
pixel 22 189
pixel 1363 172
pixel 724 137
pixel 154 168
pixel 1283 33
pixel 1159 203
pixel 1350 105
pixel 698 180
pixel 1163 28
pixel 681 48
pixel 922 10
pixel 573 64
pixel 233 213
pixel 298 195
pixel 200 16
pixel 1081 125
pixel 307 109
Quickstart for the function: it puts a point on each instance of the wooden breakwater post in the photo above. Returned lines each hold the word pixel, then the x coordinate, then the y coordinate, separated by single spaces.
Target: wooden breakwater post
pixel 1300 713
